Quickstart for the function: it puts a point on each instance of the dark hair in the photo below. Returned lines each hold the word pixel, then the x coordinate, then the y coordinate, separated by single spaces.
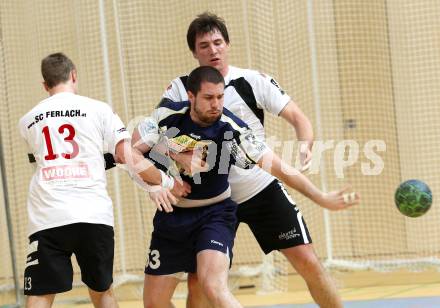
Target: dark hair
pixel 56 69
pixel 203 74
pixel 205 23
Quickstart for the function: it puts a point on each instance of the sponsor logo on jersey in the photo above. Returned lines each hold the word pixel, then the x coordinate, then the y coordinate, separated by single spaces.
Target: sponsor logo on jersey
pixel 63 172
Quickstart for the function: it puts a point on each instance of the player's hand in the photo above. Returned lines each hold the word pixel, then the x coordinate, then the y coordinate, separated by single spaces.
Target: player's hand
pixel 191 161
pixel 339 199
pixel 305 156
pixel 163 199
pixel 180 188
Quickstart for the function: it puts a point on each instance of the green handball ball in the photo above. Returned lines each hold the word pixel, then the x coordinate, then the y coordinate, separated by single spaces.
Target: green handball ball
pixel 413 198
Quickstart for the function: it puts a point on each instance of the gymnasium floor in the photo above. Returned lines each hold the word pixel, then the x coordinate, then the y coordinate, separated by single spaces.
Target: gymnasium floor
pixel 397 296
pixel 358 290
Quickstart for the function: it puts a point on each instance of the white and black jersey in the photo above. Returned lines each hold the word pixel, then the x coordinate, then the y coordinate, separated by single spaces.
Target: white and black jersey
pixel 247 94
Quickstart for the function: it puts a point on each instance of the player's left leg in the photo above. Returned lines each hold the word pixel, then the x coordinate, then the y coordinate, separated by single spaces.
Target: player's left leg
pixel 321 286
pixel 212 273
pixel 196 298
pixel 94 253
pixel 215 239
pixel 277 224
pixel 104 299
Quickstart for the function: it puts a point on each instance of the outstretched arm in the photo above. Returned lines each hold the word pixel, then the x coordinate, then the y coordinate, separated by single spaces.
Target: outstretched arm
pixel 335 200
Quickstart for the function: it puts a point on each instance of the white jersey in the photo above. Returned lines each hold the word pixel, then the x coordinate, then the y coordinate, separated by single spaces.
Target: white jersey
pixel 247 94
pixel 68 135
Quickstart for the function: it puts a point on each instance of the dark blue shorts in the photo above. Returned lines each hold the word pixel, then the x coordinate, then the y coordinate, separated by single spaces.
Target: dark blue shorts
pixel 178 236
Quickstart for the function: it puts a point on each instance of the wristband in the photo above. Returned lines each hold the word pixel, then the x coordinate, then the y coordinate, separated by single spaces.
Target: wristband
pixel 167 181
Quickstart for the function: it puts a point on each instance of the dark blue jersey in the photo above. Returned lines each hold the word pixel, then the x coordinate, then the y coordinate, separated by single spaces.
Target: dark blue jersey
pixel 227 141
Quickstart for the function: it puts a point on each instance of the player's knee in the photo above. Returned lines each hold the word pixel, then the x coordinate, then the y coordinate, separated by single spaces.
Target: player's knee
pixel 310 266
pixel 101 292
pixel 214 289
pixel 304 260
pixel 105 298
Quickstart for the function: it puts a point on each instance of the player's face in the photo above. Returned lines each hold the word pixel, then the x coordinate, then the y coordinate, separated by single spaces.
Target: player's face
pixel 207 105
pixel 212 50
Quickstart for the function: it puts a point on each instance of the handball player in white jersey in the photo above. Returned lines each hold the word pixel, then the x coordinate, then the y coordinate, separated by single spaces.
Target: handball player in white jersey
pixel 69 209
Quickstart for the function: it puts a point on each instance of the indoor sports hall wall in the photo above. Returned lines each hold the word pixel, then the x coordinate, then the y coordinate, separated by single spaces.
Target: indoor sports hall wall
pixel 360 70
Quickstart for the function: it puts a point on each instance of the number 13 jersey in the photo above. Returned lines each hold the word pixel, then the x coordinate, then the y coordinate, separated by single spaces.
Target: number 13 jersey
pixel 67 134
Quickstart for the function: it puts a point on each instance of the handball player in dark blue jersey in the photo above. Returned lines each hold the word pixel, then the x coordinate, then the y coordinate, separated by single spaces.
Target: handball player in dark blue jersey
pixel 197 236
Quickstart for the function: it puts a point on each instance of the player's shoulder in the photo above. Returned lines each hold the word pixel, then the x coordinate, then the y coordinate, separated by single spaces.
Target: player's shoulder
pixel 93 105
pixel 24 119
pixel 166 103
pixel 228 118
pixel 35 110
pixel 178 82
pixel 180 78
pixel 92 102
pixel 246 73
pixel 168 108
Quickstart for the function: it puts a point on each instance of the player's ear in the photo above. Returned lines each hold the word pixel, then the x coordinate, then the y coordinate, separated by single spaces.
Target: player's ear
pixel 191 96
pixel 74 76
pixel 46 88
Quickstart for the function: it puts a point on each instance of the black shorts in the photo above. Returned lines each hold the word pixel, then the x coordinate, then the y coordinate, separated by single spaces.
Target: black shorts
pixel 274 219
pixel 48 265
pixel 178 236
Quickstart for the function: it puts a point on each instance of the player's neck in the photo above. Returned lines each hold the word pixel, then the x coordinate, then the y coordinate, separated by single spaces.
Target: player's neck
pixel 61 88
pixel 225 70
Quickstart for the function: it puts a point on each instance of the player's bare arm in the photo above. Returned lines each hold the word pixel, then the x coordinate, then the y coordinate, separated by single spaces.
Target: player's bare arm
pixel 132 157
pixel 303 128
pixel 334 200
